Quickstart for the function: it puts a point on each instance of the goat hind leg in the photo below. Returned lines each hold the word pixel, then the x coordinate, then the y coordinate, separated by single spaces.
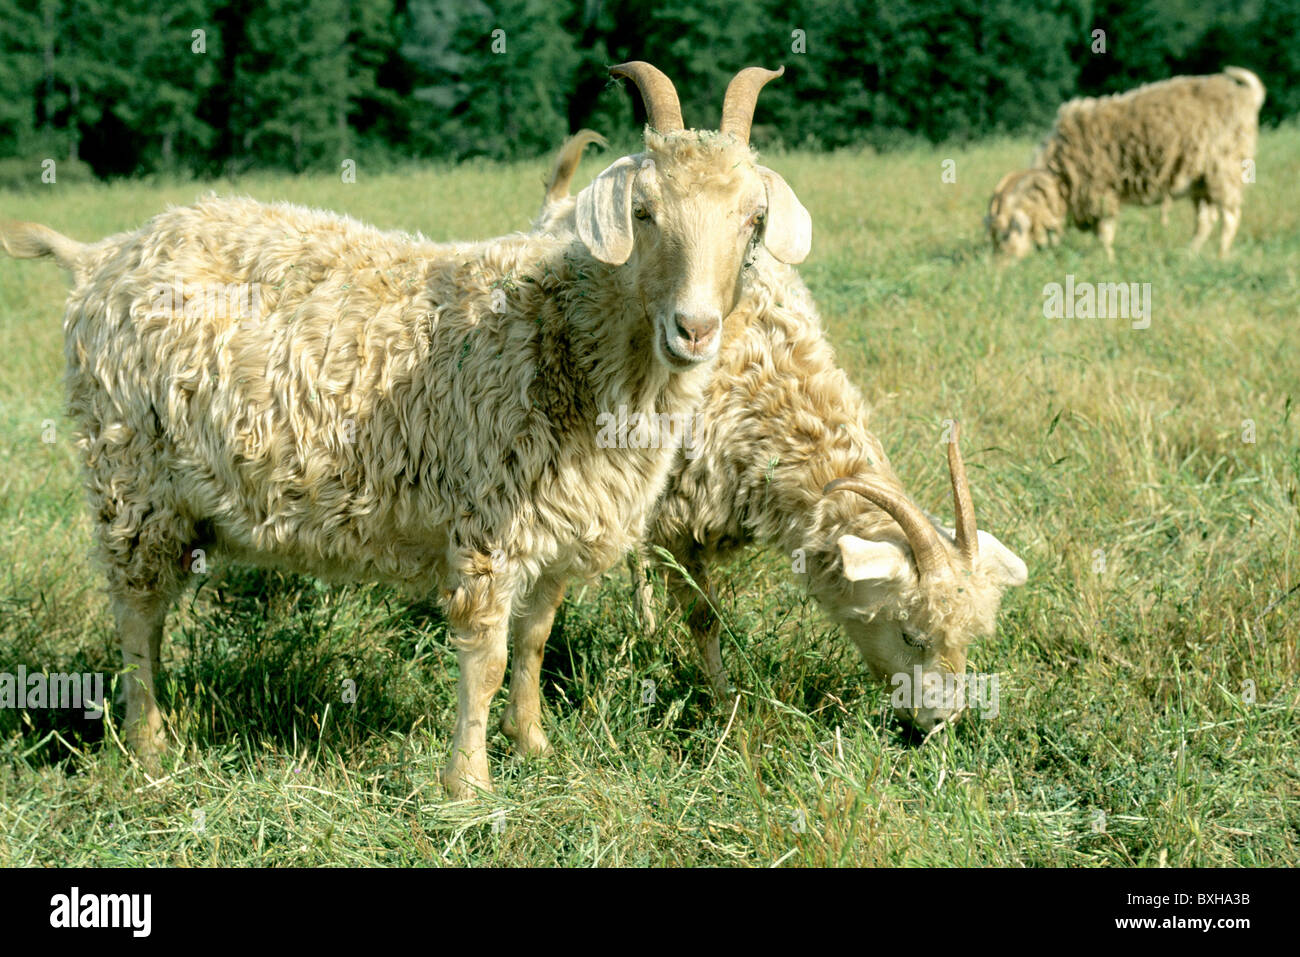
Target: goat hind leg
pixel 1106 233
pixel 142 549
pixel 522 721
pixel 140 620
pixel 1206 215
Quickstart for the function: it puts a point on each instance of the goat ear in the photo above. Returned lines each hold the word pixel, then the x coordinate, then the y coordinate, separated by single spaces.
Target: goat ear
pixel 788 233
pixel 1000 563
pixel 881 562
pixel 1003 565
pixel 604 213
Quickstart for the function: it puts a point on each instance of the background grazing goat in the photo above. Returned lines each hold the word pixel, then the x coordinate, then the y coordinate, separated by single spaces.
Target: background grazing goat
pixel 1190 135
pixel 782 435
pixel 393 409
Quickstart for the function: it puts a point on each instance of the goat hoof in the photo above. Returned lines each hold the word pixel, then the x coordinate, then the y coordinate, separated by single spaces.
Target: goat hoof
pixel 530 740
pixel 148 746
pixel 464 778
pixel 724 691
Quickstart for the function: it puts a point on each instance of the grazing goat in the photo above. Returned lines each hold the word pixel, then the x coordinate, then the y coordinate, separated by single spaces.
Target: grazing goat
pixel 392 409
pixel 1186 136
pixel 781 432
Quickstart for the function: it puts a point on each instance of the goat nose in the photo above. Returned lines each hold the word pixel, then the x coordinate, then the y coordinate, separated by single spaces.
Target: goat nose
pixel 697 332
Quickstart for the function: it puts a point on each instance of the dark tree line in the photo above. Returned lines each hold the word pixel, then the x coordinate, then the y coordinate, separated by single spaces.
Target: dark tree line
pixel 201 87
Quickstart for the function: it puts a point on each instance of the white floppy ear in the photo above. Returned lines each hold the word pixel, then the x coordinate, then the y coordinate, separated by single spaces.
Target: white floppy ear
pixel 1004 565
pixel 788 233
pixel 874 561
pixel 604 213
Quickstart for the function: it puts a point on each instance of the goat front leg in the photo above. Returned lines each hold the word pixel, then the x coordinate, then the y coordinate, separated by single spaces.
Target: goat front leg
pixel 522 721
pixel 638 572
pixel 480 623
pixel 703 623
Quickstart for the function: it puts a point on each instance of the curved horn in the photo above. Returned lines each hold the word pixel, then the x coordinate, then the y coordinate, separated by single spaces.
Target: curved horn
pixel 968 541
pixel 928 551
pixel 663 109
pixel 741 98
pixel 1002 183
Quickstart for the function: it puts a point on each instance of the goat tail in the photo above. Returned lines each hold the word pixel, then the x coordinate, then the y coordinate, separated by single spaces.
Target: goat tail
pixel 1249 80
pixel 32 241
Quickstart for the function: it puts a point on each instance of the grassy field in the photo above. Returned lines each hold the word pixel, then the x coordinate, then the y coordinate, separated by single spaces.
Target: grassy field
pixel 1148 671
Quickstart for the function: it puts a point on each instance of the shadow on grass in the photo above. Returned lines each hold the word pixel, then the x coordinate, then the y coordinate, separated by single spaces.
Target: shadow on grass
pixel 31 645
pixel 257 656
pixel 266 656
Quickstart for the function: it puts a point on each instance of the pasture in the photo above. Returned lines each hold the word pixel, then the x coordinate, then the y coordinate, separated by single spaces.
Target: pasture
pixel 1149 477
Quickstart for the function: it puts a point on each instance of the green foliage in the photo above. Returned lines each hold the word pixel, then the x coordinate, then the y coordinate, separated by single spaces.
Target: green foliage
pixel 940 69
pixel 21 174
pixel 305 84
pixel 291 85
pixel 1272 40
pixel 21 41
pixel 488 79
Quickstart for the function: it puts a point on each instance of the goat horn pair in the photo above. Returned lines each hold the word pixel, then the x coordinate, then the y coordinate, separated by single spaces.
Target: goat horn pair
pixel 927 549
pixel 664 110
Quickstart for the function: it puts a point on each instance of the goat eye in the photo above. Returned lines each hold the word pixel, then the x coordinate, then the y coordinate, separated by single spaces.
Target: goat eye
pixel 915 641
pixel 758 219
pixel 640 212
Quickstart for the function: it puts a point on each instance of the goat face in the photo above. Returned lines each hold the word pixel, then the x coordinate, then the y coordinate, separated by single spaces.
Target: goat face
pixel 913 606
pixel 684 216
pixel 906 630
pixel 1027 211
pixel 1012 235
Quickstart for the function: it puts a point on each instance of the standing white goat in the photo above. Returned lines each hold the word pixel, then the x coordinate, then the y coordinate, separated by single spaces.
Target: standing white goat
pixel 1189 135
pixel 782 434
pixel 393 409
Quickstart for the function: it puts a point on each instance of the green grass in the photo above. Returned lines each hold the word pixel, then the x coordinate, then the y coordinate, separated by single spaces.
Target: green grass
pixel 1160 547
